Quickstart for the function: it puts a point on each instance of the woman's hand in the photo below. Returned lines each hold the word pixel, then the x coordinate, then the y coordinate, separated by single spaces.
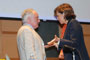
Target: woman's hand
pixel 55 40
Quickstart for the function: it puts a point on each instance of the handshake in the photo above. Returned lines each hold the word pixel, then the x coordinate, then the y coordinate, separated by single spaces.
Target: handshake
pixel 53 42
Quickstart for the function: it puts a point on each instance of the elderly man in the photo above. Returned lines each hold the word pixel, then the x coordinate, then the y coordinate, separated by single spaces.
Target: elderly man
pixel 30 44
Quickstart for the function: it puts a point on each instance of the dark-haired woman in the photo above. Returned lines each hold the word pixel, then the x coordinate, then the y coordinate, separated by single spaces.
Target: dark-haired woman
pixel 71 35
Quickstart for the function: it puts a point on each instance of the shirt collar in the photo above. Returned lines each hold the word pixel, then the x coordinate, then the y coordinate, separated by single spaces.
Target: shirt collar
pixel 28 25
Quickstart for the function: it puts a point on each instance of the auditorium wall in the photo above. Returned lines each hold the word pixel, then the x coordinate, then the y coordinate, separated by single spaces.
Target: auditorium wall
pixel 8 33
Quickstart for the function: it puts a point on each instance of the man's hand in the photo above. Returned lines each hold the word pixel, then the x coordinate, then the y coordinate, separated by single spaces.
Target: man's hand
pixel 48 46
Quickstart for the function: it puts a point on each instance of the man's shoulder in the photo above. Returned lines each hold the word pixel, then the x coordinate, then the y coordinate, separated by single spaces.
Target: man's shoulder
pixel 24 29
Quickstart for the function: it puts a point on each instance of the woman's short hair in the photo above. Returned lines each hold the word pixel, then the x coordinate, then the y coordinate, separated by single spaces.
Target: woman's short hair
pixel 66 9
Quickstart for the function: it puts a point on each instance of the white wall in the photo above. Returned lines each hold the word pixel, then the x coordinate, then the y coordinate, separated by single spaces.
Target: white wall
pixel 45 8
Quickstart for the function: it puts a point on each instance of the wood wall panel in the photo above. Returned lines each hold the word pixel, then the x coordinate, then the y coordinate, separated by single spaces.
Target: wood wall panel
pixel 86 32
pixel 9 29
pixel 8 33
pixel 0 41
pixel 10 26
pixel 86 28
pixel 9 45
pixel 87 43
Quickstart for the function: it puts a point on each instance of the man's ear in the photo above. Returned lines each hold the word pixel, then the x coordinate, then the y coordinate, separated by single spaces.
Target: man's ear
pixel 63 14
pixel 29 19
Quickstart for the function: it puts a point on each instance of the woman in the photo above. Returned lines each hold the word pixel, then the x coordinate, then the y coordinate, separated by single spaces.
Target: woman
pixel 71 35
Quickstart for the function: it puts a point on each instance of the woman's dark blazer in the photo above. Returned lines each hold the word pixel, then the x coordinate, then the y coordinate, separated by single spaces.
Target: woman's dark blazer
pixel 73 37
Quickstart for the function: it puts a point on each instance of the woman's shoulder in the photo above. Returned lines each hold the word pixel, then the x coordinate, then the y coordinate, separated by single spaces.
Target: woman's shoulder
pixel 74 23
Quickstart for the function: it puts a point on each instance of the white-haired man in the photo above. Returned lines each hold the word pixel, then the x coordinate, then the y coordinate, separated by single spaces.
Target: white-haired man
pixel 30 44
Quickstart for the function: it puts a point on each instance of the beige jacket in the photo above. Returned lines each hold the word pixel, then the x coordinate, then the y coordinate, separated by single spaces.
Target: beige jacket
pixel 30 44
